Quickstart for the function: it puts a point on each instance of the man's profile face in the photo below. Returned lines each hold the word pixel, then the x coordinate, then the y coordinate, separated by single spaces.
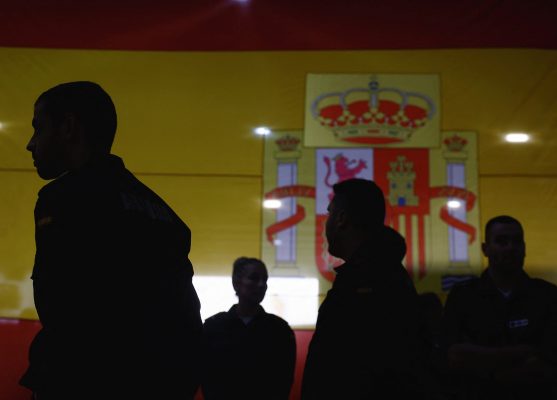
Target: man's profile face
pixel 46 145
pixel 504 247
pixel 331 227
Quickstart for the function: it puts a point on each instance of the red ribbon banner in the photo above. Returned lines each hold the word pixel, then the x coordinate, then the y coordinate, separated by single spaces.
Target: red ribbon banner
pixel 469 199
pixel 298 216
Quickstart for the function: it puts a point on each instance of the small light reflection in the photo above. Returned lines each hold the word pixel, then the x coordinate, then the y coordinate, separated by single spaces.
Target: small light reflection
pixel 272 203
pixel 517 137
pixel 262 130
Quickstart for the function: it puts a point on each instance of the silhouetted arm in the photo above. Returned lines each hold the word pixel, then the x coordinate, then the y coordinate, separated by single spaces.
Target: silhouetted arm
pixel 211 361
pixel 519 364
pixel 533 370
pixel 285 363
pixel 540 367
pixel 483 360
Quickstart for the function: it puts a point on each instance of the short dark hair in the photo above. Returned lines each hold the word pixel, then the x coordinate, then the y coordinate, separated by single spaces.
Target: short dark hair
pixel 240 264
pixel 363 202
pixel 91 105
pixel 500 219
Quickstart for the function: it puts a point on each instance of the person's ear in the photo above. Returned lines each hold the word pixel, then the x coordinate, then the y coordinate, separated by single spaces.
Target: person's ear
pixel 70 129
pixel 341 219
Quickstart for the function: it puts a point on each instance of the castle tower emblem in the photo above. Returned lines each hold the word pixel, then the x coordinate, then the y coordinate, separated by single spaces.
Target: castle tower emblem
pixel 401 183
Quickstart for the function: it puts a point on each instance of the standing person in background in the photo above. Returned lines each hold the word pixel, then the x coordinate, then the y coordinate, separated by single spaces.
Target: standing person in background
pixel 248 353
pixel 370 340
pixel 112 279
pixel 501 328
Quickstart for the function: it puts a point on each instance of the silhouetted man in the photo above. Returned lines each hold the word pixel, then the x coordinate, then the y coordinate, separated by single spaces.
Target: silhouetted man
pixel 249 353
pixel 369 341
pixel 112 280
pixel 501 328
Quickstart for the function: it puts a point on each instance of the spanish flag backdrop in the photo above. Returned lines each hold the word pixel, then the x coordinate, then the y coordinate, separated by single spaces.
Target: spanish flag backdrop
pixel 192 80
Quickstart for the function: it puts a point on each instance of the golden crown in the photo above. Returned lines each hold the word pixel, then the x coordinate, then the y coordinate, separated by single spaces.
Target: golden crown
pixel 373 115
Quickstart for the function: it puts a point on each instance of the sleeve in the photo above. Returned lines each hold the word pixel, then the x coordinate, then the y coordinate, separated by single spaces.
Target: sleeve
pixel 206 360
pixel 548 347
pixel 83 299
pixel 212 363
pixel 286 362
pixel 70 286
pixel 452 327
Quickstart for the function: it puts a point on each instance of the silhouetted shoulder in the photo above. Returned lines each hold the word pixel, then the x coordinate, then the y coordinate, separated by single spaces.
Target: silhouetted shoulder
pixel 543 286
pixel 216 319
pixel 465 287
pixel 278 321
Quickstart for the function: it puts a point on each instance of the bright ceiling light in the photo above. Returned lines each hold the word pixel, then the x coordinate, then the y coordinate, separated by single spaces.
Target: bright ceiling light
pixel 262 130
pixel 272 203
pixel 517 137
pixel 453 204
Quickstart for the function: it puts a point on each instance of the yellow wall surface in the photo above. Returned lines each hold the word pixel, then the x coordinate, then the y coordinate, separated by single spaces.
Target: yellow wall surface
pixel 185 128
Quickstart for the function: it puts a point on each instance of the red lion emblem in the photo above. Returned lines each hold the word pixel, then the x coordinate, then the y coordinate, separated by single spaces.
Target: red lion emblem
pixel 344 169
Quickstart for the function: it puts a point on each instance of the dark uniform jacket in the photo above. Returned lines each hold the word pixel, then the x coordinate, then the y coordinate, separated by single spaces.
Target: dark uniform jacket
pixel 251 361
pixel 370 336
pixel 477 313
pixel 113 289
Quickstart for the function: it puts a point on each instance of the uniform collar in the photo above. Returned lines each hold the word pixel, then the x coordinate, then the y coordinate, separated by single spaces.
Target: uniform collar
pixel 383 249
pixel 108 162
pixel 232 311
pixel 487 286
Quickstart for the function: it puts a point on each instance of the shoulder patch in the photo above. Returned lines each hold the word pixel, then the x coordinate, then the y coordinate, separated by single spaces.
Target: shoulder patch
pixel 44 221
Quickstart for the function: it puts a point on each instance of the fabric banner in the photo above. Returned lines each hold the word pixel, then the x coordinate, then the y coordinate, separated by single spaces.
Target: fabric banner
pixel 185 126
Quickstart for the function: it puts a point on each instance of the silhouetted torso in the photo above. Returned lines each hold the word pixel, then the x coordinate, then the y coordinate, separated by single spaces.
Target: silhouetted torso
pixel 248 361
pixel 112 287
pixel 477 312
pixel 369 339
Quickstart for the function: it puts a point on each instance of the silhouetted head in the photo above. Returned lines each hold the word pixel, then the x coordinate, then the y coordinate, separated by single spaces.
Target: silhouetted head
pixel 249 279
pixel 504 244
pixel 358 207
pixel 73 122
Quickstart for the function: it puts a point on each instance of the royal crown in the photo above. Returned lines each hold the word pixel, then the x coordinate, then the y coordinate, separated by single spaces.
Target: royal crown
pixel 287 143
pixel 455 143
pixel 402 168
pixel 373 115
